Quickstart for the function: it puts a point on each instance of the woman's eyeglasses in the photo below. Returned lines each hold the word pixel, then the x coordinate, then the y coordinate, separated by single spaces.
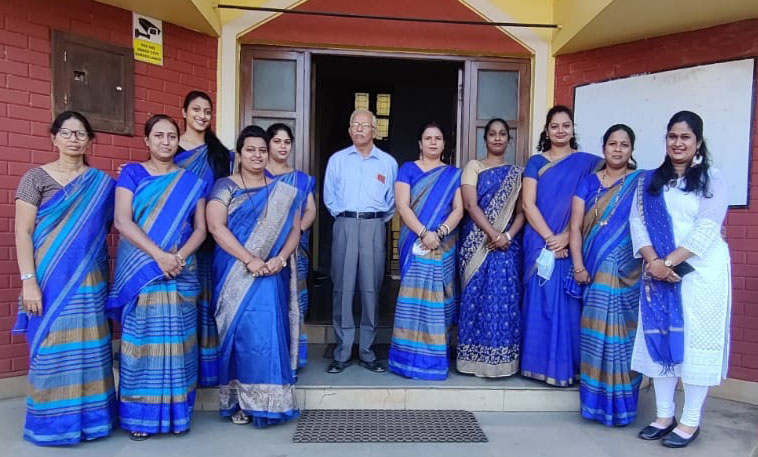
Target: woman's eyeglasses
pixel 80 135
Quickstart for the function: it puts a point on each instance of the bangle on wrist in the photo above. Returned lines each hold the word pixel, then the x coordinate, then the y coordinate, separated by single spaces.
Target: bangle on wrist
pixel 422 232
pixel 27 276
pixel 281 259
pixel 498 238
pixel 508 235
pixel 579 270
pixel 179 257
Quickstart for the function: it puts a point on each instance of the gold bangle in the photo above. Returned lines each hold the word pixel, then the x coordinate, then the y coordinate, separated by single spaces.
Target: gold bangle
pixel 579 270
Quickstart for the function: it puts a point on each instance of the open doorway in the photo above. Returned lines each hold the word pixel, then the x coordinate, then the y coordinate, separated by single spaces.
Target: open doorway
pixel 419 91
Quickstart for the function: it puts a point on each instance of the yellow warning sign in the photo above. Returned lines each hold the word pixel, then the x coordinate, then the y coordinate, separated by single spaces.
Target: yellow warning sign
pixel 148 39
pixel 146 51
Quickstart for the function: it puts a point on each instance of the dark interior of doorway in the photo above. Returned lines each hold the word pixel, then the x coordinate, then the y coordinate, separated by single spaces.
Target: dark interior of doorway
pixel 420 90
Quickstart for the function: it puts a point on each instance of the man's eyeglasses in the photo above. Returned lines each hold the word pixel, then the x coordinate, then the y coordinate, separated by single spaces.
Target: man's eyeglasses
pixel 80 135
pixel 362 125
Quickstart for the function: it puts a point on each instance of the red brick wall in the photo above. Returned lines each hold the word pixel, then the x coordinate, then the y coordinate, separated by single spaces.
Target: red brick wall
pixel 728 41
pixel 25 111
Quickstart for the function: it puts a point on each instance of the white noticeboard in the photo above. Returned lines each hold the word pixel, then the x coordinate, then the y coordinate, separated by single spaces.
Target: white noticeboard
pixel 147 39
pixel 721 93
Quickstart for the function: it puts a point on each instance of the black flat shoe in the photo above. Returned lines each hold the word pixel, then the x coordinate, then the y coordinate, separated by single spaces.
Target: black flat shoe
pixel 337 367
pixel 654 433
pixel 674 440
pixel 373 366
pixel 138 436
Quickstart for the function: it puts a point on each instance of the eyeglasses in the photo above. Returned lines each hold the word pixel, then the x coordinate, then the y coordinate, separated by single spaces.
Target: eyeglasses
pixel 80 135
pixel 362 125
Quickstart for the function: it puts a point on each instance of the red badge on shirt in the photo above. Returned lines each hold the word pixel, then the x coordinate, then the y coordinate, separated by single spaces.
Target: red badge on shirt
pixel 381 178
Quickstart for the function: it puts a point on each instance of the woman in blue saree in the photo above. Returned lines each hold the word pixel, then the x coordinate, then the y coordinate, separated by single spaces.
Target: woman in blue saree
pixel 202 153
pixel 601 251
pixel 280 147
pixel 489 261
pixel 256 224
pixel 64 210
pixel 428 200
pixel 160 216
pixel 550 350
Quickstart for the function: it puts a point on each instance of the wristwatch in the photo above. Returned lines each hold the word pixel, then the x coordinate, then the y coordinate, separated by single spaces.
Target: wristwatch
pixel 667 263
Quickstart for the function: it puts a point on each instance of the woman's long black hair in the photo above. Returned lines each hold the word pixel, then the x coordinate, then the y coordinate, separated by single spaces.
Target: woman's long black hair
pixel 218 154
pixel 696 176
pixel 544 144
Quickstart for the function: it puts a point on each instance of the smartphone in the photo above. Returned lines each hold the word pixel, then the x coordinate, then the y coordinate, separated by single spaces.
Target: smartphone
pixel 683 269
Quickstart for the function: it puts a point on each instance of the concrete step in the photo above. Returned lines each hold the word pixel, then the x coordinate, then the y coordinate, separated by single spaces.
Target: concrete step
pixel 358 388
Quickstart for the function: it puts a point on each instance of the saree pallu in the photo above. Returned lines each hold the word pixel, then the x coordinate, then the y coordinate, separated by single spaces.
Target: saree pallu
pixel 305 185
pixel 256 315
pixel 196 161
pixel 489 328
pixel 428 296
pixel 608 388
pixel 550 349
pixel 71 391
pixel 159 357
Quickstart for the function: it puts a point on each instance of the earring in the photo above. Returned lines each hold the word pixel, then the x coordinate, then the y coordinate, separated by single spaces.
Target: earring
pixel 698 159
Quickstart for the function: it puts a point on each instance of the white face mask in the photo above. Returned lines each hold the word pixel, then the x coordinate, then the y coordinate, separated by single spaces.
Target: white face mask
pixel 545 264
pixel 419 249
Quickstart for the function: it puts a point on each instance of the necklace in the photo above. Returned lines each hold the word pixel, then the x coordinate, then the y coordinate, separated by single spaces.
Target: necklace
pixel 614 202
pixel 69 175
pixel 247 194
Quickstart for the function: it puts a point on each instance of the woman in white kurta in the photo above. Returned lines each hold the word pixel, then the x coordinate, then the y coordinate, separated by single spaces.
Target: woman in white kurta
pixel 695 346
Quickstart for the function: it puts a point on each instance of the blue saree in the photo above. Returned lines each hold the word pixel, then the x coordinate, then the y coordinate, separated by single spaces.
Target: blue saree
pixel 196 161
pixel 71 392
pixel 489 328
pixel 256 315
pixel 158 365
pixel 608 388
pixel 550 350
pixel 427 300
pixel 305 184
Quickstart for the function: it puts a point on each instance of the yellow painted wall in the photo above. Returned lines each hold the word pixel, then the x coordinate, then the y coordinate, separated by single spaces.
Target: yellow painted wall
pixel 573 16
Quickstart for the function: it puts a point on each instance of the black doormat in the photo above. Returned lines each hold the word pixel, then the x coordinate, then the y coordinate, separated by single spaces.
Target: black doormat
pixel 387 426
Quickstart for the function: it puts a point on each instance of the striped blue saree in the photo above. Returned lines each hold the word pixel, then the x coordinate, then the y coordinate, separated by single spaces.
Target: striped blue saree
pixel 71 394
pixel 196 161
pixel 608 388
pixel 428 296
pixel 158 366
pixel 256 315
pixel 305 184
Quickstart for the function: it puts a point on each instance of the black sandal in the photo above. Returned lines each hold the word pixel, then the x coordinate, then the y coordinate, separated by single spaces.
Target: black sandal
pixel 138 436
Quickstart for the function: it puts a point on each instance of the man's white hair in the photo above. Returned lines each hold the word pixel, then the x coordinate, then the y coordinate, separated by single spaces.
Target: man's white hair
pixel 364 111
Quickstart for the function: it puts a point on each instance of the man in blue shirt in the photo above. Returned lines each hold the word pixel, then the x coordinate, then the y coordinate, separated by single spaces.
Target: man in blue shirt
pixel 359 193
